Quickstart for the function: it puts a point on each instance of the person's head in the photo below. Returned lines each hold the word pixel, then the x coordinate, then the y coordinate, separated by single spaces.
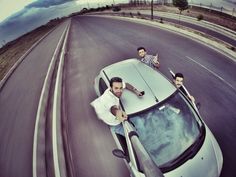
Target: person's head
pixel 116 86
pixel 141 51
pixel 178 80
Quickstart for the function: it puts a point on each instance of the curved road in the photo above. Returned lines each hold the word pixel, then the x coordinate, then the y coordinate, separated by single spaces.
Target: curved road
pixel 95 42
pixel 196 25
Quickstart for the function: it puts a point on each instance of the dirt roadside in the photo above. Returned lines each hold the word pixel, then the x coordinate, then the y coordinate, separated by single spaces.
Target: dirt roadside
pixel 11 52
pixel 208 15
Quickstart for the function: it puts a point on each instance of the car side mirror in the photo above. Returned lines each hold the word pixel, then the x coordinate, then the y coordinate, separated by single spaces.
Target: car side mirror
pixel 119 153
pixel 198 105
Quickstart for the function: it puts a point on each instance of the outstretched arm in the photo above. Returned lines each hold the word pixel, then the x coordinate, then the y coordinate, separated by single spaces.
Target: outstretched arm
pixel 133 89
pixel 191 98
pixel 120 115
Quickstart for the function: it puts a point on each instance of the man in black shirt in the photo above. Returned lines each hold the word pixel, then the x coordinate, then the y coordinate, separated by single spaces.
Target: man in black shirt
pixel 178 81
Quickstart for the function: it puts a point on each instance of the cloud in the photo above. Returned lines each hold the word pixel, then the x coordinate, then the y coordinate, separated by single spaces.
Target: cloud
pixel 47 3
pixel 39 13
pixel 31 18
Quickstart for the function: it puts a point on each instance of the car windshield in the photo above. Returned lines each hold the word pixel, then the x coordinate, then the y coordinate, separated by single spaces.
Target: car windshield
pixel 167 129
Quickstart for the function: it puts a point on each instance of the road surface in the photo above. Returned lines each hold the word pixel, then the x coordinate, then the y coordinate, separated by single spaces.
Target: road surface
pixel 19 100
pixel 95 42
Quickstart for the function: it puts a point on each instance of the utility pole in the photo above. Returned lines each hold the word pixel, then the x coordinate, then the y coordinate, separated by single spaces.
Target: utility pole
pixel 152 10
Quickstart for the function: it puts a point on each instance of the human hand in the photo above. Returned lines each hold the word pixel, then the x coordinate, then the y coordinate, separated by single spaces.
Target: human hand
pixel 140 94
pixel 191 98
pixel 155 59
pixel 156 62
pixel 121 115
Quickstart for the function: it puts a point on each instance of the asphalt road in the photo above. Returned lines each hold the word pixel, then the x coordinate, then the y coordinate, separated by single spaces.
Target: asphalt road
pixel 208 31
pixel 95 42
pixel 18 106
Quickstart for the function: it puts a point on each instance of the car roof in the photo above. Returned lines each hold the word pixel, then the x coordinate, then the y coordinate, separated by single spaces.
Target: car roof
pixel 157 87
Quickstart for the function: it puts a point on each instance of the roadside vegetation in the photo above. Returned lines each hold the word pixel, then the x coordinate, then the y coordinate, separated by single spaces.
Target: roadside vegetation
pixel 199 13
pixel 12 51
pixel 181 5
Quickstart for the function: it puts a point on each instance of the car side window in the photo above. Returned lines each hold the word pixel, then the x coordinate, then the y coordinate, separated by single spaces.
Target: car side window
pixel 102 86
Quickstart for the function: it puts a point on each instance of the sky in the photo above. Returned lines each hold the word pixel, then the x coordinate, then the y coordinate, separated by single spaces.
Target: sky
pixel 9 7
pixel 18 17
pixel 7 10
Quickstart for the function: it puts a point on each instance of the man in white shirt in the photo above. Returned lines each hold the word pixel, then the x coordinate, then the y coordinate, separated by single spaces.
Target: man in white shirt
pixel 107 106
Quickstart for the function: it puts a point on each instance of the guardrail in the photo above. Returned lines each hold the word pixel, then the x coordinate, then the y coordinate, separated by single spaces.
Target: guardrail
pixel 48 141
pixel 213 7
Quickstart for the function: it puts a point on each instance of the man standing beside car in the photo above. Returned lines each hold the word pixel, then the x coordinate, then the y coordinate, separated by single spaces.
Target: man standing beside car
pixel 108 108
pixel 150 60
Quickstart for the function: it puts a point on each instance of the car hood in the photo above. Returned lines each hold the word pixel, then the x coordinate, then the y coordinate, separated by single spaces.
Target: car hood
pixel 157 88
pixel 204 163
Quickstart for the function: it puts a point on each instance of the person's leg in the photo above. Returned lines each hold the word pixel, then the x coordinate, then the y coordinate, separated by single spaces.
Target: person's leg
pixel 118 129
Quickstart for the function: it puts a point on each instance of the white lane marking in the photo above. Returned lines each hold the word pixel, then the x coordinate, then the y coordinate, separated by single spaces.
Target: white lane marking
pixel 42 100
pixel 14 67
pixel 210 71
pixel 56 117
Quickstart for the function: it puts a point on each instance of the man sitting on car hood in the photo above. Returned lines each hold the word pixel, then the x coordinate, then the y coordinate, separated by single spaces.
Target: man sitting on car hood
pixel 107 106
